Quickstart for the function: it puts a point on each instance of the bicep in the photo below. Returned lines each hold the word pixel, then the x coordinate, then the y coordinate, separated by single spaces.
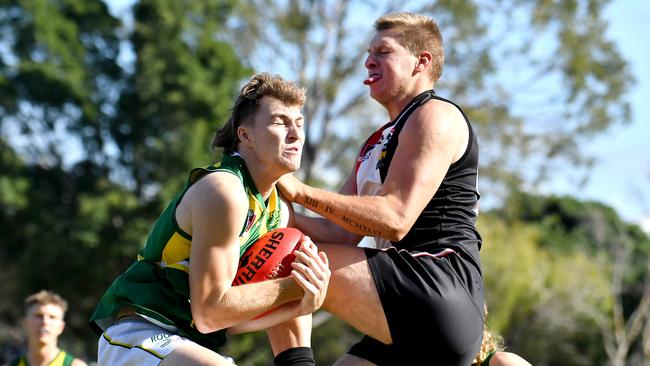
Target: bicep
pixel 426 150
pixel 216 222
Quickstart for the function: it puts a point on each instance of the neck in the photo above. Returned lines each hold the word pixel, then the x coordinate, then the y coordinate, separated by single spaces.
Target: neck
pixel 263 176
pixel 397 103
pixel 42 353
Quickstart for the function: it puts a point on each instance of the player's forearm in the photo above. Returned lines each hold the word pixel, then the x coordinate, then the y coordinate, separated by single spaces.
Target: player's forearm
pixel 273 318
pixel 321 230
pixel 363 215
pixel 241 303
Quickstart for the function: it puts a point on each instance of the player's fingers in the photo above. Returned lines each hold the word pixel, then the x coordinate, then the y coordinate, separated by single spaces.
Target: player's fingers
pixel 311 250
pixel 307 245
pixel 324 258
pixel 304 257
pixel 303 282
pixel 316 277
pixel 325 261
pixel 311 262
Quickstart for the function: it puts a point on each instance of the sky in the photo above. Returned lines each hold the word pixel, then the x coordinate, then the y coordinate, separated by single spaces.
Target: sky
pixel 621 175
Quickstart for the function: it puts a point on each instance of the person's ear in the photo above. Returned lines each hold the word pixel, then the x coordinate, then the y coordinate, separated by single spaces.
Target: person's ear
pixel 244 135
pixel 423 62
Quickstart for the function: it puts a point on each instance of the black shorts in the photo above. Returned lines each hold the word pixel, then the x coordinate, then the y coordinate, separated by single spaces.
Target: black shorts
pixel 434 308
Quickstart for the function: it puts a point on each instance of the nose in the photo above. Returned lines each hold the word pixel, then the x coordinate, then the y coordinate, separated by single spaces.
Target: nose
pixel 294 132
pixel 370 62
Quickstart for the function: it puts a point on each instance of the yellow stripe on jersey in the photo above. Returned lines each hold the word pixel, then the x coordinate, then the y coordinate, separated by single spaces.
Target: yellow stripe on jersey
pixel 57 361
pixel 177 252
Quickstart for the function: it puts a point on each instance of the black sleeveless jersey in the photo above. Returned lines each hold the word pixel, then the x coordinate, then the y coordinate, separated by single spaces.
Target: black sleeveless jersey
pixel 449 219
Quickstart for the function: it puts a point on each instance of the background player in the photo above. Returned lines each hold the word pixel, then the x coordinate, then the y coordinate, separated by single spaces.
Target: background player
pixel 43 323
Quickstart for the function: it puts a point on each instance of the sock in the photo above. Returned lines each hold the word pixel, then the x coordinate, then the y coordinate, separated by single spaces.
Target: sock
pixel 297 356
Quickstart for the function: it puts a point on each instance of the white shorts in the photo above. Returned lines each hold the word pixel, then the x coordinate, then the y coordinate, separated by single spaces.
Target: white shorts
pixel 135 341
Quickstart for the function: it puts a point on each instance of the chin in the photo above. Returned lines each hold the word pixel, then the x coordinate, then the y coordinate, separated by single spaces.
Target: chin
pixel 293 167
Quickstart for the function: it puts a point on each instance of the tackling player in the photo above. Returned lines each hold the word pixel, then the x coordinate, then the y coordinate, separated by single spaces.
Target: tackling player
pixel 173 305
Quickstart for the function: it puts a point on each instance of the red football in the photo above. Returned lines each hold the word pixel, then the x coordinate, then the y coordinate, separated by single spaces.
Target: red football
pixel 269 257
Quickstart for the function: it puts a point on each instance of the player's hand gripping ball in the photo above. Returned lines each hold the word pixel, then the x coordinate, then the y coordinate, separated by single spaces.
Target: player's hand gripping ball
pixel 269 257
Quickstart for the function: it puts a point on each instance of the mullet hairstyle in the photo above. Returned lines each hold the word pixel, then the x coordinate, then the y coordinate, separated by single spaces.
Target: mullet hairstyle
pixel 45 297
pixel 420 33
pixel 247 103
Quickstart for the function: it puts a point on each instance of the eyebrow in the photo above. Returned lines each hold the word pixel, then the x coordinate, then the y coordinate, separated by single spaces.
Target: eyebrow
pixel 285 116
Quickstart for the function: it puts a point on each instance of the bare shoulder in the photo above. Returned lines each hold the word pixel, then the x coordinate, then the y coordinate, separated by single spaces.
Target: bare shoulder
pixel 439 125
pixel 508 359
pixel 215 195
pixel 218 187
pixel 439 115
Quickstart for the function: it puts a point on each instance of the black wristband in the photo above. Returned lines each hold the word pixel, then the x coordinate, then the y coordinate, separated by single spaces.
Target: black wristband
pixel 297 356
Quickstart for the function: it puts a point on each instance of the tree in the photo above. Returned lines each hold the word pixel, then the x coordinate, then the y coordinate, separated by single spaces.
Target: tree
pixel 573 226
pixel 537 78
pixel 178 94
pixel 542 302
pixel 93 144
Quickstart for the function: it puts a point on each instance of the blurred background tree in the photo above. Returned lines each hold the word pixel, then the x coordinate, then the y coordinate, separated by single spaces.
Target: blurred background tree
pixel 93 146
pixel 103 115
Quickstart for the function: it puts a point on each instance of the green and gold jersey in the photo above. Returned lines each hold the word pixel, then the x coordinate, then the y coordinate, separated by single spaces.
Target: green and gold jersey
pixel 157 284
pixel 62 359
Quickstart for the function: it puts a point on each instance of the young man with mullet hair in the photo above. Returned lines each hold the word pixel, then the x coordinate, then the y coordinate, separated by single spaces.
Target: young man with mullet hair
pixel 174 305
pixel 418 296
pixel 43 323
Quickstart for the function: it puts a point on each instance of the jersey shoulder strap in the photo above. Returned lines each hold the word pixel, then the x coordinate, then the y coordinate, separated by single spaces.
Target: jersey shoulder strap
pixel 391 145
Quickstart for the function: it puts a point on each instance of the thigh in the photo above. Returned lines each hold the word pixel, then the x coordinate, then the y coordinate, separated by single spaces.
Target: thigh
pixel 352 294
pixel 433 305
pixel 192 354
pixel 135 341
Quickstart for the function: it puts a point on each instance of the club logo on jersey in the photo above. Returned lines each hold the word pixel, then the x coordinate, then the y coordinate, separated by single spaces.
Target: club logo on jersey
pixel 384 149
pixel 274 218
pixel 367 149
pixel 250 219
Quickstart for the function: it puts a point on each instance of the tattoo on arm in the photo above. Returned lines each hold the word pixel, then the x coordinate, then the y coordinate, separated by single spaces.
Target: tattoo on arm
pixel 311 202
pixel 357 225
pixel 367 230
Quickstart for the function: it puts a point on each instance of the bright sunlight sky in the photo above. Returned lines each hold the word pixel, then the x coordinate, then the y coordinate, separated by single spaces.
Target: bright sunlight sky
pixel 621 175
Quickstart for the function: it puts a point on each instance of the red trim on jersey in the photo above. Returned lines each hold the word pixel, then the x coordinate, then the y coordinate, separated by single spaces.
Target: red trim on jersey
pixel 370 144
pixel 443 253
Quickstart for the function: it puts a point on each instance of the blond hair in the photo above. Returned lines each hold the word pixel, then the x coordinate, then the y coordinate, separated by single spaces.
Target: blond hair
pixel 45 297
pixel 491 342
pixel 420 33
pixel 246 104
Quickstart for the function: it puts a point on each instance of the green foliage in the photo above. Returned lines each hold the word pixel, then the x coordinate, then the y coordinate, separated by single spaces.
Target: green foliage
pixel 536 77
pixel 549 264
pixel 180 92
pixel 72 225
pixel 547 305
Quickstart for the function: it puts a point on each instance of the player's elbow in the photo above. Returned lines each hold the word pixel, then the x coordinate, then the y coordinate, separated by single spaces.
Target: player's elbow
pixel 395 234
pixel 205 321
pixel 397 228
pixel 207 325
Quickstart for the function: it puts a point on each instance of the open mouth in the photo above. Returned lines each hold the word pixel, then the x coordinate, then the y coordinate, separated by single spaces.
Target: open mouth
pixel 292 150
pixel 372 78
